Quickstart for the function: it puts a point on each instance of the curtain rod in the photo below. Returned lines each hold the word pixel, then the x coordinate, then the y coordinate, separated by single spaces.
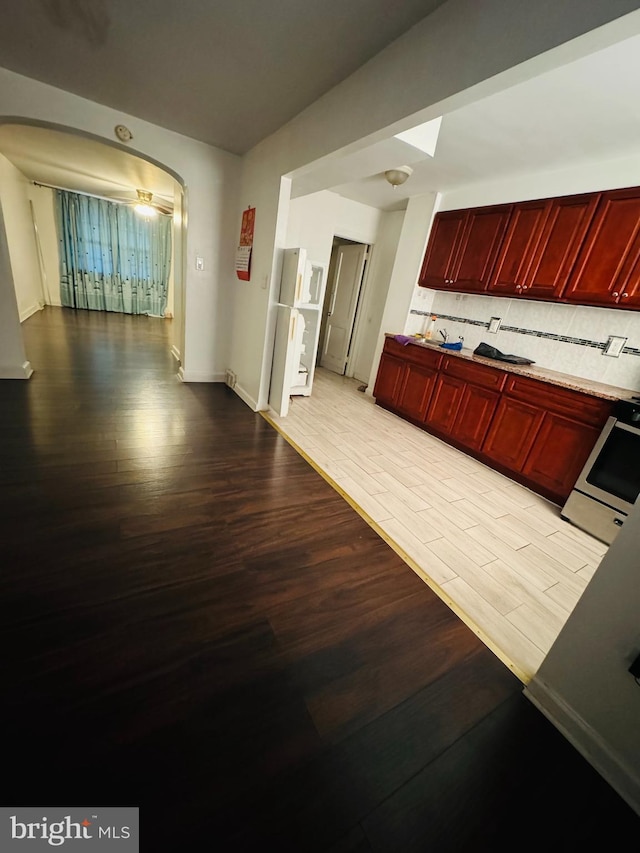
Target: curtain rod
pixel 80 192
pixel 91 195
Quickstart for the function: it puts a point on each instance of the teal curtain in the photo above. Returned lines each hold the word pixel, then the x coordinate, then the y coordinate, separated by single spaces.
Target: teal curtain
pixel 112 259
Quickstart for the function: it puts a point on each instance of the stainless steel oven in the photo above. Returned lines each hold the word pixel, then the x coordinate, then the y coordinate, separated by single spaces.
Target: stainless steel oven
pixel 609 483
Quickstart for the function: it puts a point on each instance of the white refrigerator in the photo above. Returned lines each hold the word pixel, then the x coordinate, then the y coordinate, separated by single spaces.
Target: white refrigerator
pixel 297 329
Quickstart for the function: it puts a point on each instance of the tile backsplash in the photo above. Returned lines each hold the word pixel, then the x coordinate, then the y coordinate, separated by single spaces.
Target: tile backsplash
pixel 567 338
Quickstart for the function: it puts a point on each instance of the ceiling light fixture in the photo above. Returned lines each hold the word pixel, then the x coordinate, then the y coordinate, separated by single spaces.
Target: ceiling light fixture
pixel 398 176
pixel 144 206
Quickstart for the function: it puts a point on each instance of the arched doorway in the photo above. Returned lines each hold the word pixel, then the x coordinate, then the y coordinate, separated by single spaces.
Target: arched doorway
pixel 37 158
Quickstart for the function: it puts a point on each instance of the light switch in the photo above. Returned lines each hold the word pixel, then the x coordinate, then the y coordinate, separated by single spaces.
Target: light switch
pixel 494 325
pixel 199 263
pixel 614 346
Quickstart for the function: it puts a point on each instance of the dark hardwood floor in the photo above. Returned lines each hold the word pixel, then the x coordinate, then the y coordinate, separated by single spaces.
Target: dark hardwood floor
pixel 195 623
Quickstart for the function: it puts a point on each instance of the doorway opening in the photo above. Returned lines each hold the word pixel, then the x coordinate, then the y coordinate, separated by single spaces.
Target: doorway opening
pixel 340 310
pixel 38 159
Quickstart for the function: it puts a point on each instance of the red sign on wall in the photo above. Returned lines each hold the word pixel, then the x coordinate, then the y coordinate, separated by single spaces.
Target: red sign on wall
pixel 245 246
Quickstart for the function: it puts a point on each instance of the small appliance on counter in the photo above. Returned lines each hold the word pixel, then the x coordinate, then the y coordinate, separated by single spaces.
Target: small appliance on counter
pixel 609 484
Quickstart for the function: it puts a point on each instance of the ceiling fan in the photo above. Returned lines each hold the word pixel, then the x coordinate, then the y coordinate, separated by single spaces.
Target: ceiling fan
pixel 146 206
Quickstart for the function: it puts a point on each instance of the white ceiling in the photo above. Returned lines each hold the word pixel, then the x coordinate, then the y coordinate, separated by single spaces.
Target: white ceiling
pixel 77 163
pixel 586 110
pixel 227 72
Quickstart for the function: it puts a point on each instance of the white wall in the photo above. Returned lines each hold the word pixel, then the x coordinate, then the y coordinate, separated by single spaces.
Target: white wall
pixel 374 295
pixel 23 253
pixel 13 359
pixel 406 268
pixel 315 219
pixel 211 177
pixel 44 216
pixel 583 684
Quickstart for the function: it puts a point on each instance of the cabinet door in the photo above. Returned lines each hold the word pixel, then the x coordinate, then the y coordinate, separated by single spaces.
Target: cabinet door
pixel 389 379
pixel 512 433
pixel 610 251
pixel 518 247
pixel 630 292
pixel 483 233
pixel 446 398
pixel 415 392
pixel 562 235
pixel 559 452
pixel 440 255
pixel 474 416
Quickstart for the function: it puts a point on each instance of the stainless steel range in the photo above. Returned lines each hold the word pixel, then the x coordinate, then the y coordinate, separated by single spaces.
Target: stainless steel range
pixel 609 483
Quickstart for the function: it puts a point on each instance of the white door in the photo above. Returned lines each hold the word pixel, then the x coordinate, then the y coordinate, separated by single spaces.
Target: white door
pixel 344 290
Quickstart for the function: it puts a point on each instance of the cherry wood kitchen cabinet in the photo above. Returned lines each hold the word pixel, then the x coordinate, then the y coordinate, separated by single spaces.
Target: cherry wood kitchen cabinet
pixel 417 385
pixel 464 400
pixel 558 454
pixel 440 256
pixel 462 248
pixel 512 433
pixel 406 377
pixel 520 242
pixel 545 433
pixel 534 431
pixel 607 271
pixel 541 245
pixel 389 379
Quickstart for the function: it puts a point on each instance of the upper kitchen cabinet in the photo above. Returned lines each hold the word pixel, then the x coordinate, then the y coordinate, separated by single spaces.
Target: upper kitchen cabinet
pixel 541 244
pixel 442 249
pixel 607 271
pixel 462 248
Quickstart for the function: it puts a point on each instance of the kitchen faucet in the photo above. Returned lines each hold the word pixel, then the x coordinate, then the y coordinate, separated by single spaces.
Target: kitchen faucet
pixel 445 335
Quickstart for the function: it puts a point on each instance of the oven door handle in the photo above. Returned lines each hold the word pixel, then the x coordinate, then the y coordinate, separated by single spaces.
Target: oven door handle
pixel 627 427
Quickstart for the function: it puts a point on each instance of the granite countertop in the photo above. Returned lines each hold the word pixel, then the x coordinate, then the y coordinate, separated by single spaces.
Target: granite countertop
pixel 553 377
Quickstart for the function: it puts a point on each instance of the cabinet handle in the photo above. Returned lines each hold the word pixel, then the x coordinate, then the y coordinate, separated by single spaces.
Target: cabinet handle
pixel 625 295
pixel 524 286
pixel 615 295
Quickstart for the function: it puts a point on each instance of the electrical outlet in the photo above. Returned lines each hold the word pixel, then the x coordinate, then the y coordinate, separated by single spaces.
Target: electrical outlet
pixel 614 346
pixel 199 263
pixel 494 325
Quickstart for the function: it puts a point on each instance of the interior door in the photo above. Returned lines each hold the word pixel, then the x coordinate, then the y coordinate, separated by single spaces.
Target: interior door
pixel 344 290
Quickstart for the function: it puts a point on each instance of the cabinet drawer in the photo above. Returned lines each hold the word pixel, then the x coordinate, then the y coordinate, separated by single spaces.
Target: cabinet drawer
pixel 424 356
pixel 476 374
pixel 562 401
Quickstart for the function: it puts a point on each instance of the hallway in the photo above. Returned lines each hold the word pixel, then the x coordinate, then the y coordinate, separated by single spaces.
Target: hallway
pixel 194 622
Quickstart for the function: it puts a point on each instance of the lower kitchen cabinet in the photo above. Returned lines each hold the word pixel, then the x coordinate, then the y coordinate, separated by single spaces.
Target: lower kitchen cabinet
pixel 389 379
pixel 445 401
pixel 475 414
pixel 512 433
pixel 415 391
pixel 538 433
pixel 560 449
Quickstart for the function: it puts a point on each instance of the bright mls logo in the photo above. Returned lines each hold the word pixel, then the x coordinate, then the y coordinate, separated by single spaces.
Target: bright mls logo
pixel 100 829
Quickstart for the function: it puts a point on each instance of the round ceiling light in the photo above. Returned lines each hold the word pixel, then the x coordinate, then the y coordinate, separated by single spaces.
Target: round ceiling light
pixel 398 176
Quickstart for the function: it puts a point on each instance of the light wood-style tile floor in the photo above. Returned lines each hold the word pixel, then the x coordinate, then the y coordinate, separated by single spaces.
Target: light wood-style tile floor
pixel 499 555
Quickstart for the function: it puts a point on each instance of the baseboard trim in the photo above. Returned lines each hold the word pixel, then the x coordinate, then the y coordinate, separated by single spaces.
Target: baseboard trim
pixel 24 372
pixel 30 311
pixel 175 352
pixel 199 376
pixel 246 397
pixel 586 740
